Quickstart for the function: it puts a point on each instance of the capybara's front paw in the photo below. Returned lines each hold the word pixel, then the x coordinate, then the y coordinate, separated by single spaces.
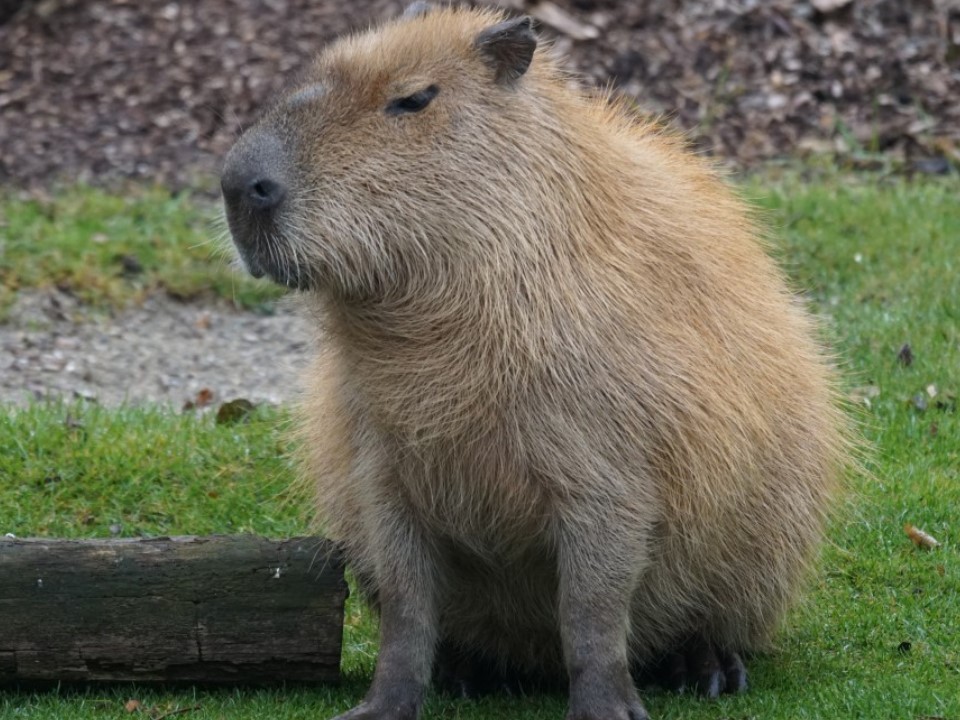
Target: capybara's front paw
pixel 378 710
pixel 614 709
pixel 599 700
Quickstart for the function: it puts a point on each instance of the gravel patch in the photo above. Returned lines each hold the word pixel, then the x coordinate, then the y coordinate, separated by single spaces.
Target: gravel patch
pixel 163 351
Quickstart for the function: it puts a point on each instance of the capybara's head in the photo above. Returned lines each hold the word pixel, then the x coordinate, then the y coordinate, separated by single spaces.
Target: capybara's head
pixel 391 144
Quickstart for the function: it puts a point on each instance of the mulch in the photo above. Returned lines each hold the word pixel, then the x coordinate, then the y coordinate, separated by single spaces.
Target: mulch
pixel 156 90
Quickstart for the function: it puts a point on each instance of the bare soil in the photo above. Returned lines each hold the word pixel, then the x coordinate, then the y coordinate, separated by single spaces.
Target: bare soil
pixel 157 89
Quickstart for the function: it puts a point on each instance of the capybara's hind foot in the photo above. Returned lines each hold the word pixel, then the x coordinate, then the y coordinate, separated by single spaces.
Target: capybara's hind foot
pixel 700 666
pixel 467 674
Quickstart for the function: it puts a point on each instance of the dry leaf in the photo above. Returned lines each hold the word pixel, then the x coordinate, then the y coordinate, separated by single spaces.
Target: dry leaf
pixel 203 398
pixel 234 411
pixel 131 706
pixel 920 538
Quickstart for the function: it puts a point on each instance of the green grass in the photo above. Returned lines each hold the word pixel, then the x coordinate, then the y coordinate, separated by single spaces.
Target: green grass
pixel 80 470
pixel 879 259
pixel 111 250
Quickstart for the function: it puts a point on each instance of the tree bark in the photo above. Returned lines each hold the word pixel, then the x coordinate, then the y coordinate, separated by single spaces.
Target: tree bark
pixel 208 610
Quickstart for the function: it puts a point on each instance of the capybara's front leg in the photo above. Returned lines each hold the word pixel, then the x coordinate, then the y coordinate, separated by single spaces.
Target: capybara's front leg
pixel 598 570
pixel 408 624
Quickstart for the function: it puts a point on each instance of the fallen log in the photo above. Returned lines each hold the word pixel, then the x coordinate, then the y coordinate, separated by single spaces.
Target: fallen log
pixel 207 610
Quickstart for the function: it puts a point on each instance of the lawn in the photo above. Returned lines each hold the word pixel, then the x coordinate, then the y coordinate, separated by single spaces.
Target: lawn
pixel 110 249
pixel 878 634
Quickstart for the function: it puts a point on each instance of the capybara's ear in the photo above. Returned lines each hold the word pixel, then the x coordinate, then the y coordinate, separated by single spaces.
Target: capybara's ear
pixel 417 9
pixel 508 48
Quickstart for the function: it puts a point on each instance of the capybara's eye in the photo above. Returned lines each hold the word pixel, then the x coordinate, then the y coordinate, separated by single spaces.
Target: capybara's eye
pixel 413 103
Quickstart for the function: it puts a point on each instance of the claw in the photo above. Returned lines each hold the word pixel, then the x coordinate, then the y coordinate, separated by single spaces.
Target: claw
pixel 703 662
pixel 676 673
pixel 735 672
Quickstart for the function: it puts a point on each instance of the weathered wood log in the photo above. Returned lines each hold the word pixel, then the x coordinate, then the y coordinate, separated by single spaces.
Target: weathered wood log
pixel 207 610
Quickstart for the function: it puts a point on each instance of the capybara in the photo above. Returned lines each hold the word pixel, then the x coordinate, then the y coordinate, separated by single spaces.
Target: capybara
pixel 566 419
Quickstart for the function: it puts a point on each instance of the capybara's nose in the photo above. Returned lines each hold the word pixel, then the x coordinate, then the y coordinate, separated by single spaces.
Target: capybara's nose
pixel 254 175
pixel 257 193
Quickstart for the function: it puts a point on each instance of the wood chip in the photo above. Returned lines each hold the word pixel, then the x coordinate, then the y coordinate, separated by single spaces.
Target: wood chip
pixel 157 90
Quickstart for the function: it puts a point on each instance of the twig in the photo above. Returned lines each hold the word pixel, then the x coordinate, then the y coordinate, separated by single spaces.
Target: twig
pixel 178 711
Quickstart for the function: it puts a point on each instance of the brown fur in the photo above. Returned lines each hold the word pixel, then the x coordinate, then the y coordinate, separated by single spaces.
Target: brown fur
pixel 554 347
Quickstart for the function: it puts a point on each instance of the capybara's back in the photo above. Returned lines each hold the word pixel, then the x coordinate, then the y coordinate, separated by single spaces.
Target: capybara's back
pixel 566 417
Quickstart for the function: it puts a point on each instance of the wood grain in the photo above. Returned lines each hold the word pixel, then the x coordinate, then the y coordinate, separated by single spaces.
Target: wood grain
pixel 209 610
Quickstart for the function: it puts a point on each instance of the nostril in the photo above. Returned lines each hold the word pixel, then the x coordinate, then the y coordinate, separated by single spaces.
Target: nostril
pixel 255 175
pixel 264 193
pixel 261 189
